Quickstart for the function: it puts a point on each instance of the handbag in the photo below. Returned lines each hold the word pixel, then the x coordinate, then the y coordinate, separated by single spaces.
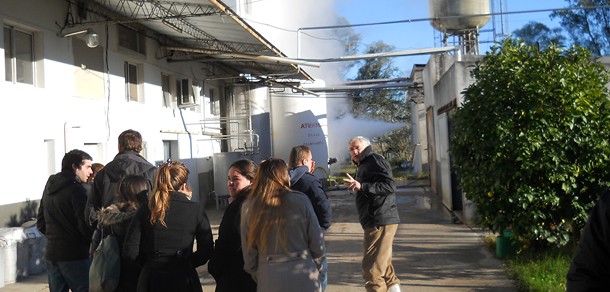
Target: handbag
pixel 105 270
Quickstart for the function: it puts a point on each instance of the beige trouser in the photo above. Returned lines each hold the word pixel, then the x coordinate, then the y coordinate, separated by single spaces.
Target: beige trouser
pixel 377 268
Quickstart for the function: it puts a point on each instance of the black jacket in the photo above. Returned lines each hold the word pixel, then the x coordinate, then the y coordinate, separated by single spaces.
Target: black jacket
pixel 303 181
pixel 590 267
pixel 103 191
pixel 376 199
pixel 61 218
pixel 166 252
pixel 115 221
pixel 227 262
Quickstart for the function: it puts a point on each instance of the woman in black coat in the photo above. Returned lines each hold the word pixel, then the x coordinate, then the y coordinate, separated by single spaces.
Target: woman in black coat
pixel 227 263
pixel 115 219
pixel 161 236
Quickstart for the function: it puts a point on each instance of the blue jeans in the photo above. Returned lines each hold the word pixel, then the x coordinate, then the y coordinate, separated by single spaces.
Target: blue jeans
pixel 323 272
pixel 73 275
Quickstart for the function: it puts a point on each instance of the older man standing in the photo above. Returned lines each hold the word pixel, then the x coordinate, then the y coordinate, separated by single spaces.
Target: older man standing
pixel 378 214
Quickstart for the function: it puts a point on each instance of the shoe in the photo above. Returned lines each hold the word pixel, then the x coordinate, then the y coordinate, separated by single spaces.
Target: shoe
pixel 394 288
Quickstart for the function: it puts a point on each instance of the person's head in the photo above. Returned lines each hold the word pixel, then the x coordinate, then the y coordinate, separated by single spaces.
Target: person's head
pixel 301 155
pixel 170 177
pixel 130 140
pixel 130 188
pixel 356 145
pixel 271 182
pixel 77 162
pixel 241 174
pixel 95 167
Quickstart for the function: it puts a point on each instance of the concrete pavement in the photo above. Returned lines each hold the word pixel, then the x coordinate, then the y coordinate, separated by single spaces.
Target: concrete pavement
pixel 431 252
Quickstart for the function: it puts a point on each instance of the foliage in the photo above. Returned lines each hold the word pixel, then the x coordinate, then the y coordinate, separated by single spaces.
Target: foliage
pixel 395 146
pixel 384 104
pixel 350 41
pixel 536 33
pixel 540 270
pixel 530 144
pixel 589 28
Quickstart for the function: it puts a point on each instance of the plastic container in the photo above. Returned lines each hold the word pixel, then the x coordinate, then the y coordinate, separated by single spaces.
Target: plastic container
pixel 505 245
pixel 3 244
pixel 15 254
pixel 36 244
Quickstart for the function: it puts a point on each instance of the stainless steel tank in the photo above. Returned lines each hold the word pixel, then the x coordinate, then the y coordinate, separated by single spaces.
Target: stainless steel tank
pixel 450 16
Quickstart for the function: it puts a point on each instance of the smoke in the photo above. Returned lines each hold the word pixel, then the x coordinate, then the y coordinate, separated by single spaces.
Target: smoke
pixel 342 126
pixel 283 21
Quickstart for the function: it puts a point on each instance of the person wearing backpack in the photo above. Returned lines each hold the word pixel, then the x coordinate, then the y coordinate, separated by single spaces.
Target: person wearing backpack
pixel 114 221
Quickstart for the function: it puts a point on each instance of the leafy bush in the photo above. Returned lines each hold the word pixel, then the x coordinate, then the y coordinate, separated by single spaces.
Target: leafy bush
pixel 531 141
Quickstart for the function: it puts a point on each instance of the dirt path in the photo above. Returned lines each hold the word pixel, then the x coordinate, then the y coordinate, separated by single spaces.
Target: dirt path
pixel 431 253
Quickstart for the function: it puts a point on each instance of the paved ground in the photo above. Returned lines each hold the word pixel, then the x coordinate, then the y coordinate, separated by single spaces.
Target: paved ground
pixel 431 253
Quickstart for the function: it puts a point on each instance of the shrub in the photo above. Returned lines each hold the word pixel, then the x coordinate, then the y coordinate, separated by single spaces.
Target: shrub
pixel 531 141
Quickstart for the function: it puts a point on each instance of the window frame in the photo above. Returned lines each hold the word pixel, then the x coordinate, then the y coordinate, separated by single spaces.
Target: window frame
pixel 12 53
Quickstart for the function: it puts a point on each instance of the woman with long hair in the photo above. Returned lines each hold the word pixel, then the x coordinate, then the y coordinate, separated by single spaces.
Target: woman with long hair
pixel 115 219
pixel 282 241
pixel 161 236
pixel 227 263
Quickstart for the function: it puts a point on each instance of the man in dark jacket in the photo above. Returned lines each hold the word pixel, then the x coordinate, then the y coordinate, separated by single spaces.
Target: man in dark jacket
pixel 590 267
pixel 61 219
pixel 128 161
pixel 302 180
pixel 378 214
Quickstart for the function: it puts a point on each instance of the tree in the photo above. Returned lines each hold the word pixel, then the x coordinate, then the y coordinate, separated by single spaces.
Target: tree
pixel 350 41
pixel 386 104
pixel 531 143
pixel 589 28
pixel 537 34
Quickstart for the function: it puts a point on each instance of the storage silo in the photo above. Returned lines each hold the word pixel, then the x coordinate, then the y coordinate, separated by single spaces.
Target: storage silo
pixel 461 18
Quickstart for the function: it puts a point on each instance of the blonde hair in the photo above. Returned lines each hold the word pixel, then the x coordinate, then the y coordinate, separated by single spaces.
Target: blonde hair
pixel 271 183
pixel 169 178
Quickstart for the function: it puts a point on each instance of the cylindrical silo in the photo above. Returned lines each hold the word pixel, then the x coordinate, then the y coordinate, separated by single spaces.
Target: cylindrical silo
pixel 454 16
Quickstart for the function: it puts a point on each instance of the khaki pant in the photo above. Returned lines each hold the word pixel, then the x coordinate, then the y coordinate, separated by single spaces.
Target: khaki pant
pixel 377 268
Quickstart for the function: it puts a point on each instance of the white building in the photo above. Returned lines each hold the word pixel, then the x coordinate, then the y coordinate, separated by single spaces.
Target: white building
pixel 194 79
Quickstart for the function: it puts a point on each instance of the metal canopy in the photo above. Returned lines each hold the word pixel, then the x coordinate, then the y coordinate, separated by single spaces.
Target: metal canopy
pixel 205 31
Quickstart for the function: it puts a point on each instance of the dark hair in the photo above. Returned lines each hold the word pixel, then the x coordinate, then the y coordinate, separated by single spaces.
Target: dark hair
pixel 74 159
pixel 130 188
pixel 245 167
pixel 297 154
pixel 130 140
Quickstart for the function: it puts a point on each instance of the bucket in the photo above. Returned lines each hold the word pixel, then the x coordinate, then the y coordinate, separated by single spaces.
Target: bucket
pixel 3 244
pixel 505 245
pixel 14 256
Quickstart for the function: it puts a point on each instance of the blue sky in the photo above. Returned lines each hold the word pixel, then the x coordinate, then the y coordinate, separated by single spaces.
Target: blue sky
pixel 418 35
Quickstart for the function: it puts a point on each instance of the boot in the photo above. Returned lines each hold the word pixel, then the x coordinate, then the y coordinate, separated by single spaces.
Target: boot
pixel 394 288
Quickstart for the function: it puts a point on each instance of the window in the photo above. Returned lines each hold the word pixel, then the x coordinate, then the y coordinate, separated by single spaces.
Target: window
pixel 214 102
pixel 165 88
pixel 18 56
pixel 132 40
pixel 184 92
pixel 131 81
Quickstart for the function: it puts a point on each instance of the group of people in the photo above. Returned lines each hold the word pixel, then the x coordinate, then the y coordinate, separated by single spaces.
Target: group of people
pixel 270 238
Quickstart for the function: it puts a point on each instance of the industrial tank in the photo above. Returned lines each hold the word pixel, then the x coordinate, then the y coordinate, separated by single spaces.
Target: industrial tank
pixel 446 14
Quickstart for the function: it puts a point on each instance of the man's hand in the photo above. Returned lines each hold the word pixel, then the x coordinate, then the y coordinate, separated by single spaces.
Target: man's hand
pixel 351 183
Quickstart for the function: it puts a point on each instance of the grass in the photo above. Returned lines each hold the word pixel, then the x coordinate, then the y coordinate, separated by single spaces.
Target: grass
pixel 536 270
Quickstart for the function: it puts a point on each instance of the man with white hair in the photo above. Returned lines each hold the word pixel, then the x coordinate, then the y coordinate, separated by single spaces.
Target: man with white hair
pixel 378 214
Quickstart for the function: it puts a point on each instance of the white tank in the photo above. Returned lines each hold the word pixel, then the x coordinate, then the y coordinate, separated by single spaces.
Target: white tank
pixel 446 14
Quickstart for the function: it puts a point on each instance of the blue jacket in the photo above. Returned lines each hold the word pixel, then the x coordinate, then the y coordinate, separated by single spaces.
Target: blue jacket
pixel 376 199
pixel 303 181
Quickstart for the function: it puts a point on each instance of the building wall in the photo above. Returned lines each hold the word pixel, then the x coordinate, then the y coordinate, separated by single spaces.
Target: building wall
pixel 75 104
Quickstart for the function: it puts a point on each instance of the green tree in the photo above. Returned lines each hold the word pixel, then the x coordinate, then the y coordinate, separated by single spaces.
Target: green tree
pixel 386 104
pixel 589 28
pixel 537 34
pixel 531 141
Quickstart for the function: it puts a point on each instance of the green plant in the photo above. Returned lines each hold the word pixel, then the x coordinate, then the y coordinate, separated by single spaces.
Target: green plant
pixel 540 270
pixel 530 143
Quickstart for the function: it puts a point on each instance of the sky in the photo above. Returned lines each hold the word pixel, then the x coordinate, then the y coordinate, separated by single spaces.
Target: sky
pixel 421 34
